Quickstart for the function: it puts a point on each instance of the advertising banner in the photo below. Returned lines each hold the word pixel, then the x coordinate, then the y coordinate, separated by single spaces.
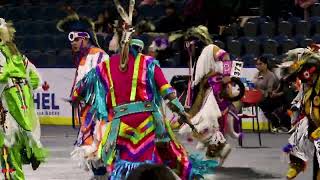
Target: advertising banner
pixel 51 99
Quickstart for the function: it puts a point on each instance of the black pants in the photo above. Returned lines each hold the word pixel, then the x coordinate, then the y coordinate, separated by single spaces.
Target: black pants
pixel 269 106
pixel 315 165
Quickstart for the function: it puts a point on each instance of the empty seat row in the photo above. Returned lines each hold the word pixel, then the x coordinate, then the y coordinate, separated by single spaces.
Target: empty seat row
pixel 42 42
pixel 239 47
pixel 45 59
pixel 303 27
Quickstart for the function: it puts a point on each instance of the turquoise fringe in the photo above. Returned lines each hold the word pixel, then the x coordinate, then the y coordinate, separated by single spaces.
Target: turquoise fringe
pixel 160 130
pixel 200 166
pixel 124 168
pixel 95 93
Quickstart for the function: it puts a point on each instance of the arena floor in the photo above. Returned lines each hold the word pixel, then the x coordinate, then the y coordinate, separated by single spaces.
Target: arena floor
pixel 248 163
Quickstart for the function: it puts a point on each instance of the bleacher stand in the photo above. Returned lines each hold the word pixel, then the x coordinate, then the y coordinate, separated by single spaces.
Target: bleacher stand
pixel 37 36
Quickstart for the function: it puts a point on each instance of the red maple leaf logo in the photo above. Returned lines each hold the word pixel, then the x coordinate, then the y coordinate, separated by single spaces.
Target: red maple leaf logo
pixel 45 86
pixel 24 107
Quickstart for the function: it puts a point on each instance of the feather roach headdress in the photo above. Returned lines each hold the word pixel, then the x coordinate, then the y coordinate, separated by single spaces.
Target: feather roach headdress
pixel 127 31
pixel 79 24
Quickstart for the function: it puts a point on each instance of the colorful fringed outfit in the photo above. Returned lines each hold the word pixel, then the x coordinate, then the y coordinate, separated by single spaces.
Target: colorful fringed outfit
pixel 135 132
pixel 212 114
pixel 91 128
pixel 87 55
pixel 304 63
pixel 20 128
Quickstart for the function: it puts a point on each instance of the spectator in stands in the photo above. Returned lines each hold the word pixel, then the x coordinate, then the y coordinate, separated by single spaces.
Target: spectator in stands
pixel 152 171
pixel 144 26
pixel 193 13
pixel 285 92
pixel 305 4
pixel 68 9
pixel 148 2
pixel 267 82
pixel 171 21
pixel 103 24
pixel 160 49
pixel 268 8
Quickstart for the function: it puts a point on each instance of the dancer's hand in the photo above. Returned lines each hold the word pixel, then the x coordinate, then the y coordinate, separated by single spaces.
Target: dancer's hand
pixel 186 118
pixel 69 100
pixel 197 135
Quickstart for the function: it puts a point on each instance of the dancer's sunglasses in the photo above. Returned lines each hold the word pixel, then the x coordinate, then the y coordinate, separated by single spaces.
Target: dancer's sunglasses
pixel 74 35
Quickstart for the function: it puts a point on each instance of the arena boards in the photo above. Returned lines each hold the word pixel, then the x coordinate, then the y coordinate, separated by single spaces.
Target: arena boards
pixel 53 109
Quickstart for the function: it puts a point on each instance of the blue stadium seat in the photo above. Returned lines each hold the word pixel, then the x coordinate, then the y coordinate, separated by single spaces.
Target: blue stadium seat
pixel 271 57
pixel 305 42
pixel 294 20
pixel 168 63
pixel 302 27
pixel 61 41
pixel 235 48
pixel 33 56
pixel 53 13
pixel 151 12
pixel 299 38
pixel 252 47
pixel 40 26
pixel 35 12
pixel 87 11
pixel 34 27
pixel 285 28
pixel 287 45
pixel 19 40
pixel 258 20
pixel 315 9
pixel 315 25
pixel 219 44
pixel 248 60
pixel 16 13
pixel 47 60
pixel 280 38
pixel 46 41
pixel 30 42
pixel 267 29
pixel 3 13
pixel 250 29
pixel 50 27
pixel 270 46
pixel 102 41
pixel 20 27
pixel 316 38
pixel 64 59
pixel 231 30
pixel 262 38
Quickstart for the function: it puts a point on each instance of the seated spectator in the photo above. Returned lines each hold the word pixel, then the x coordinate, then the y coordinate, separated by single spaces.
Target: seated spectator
pixel 267 82
pixel 171 21
pixel 152 171
pixel 305 4
pixel 103 24
pixel 193 13
pixel 148 2
pixel 160 49
pixel 285 92
pixel 68 9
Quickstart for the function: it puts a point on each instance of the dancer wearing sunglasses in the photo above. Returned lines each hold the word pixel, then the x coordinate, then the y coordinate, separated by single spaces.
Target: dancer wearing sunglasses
pixel 86 55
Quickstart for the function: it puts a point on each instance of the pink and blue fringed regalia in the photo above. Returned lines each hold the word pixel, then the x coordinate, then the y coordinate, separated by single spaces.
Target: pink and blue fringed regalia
pixel 130 102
